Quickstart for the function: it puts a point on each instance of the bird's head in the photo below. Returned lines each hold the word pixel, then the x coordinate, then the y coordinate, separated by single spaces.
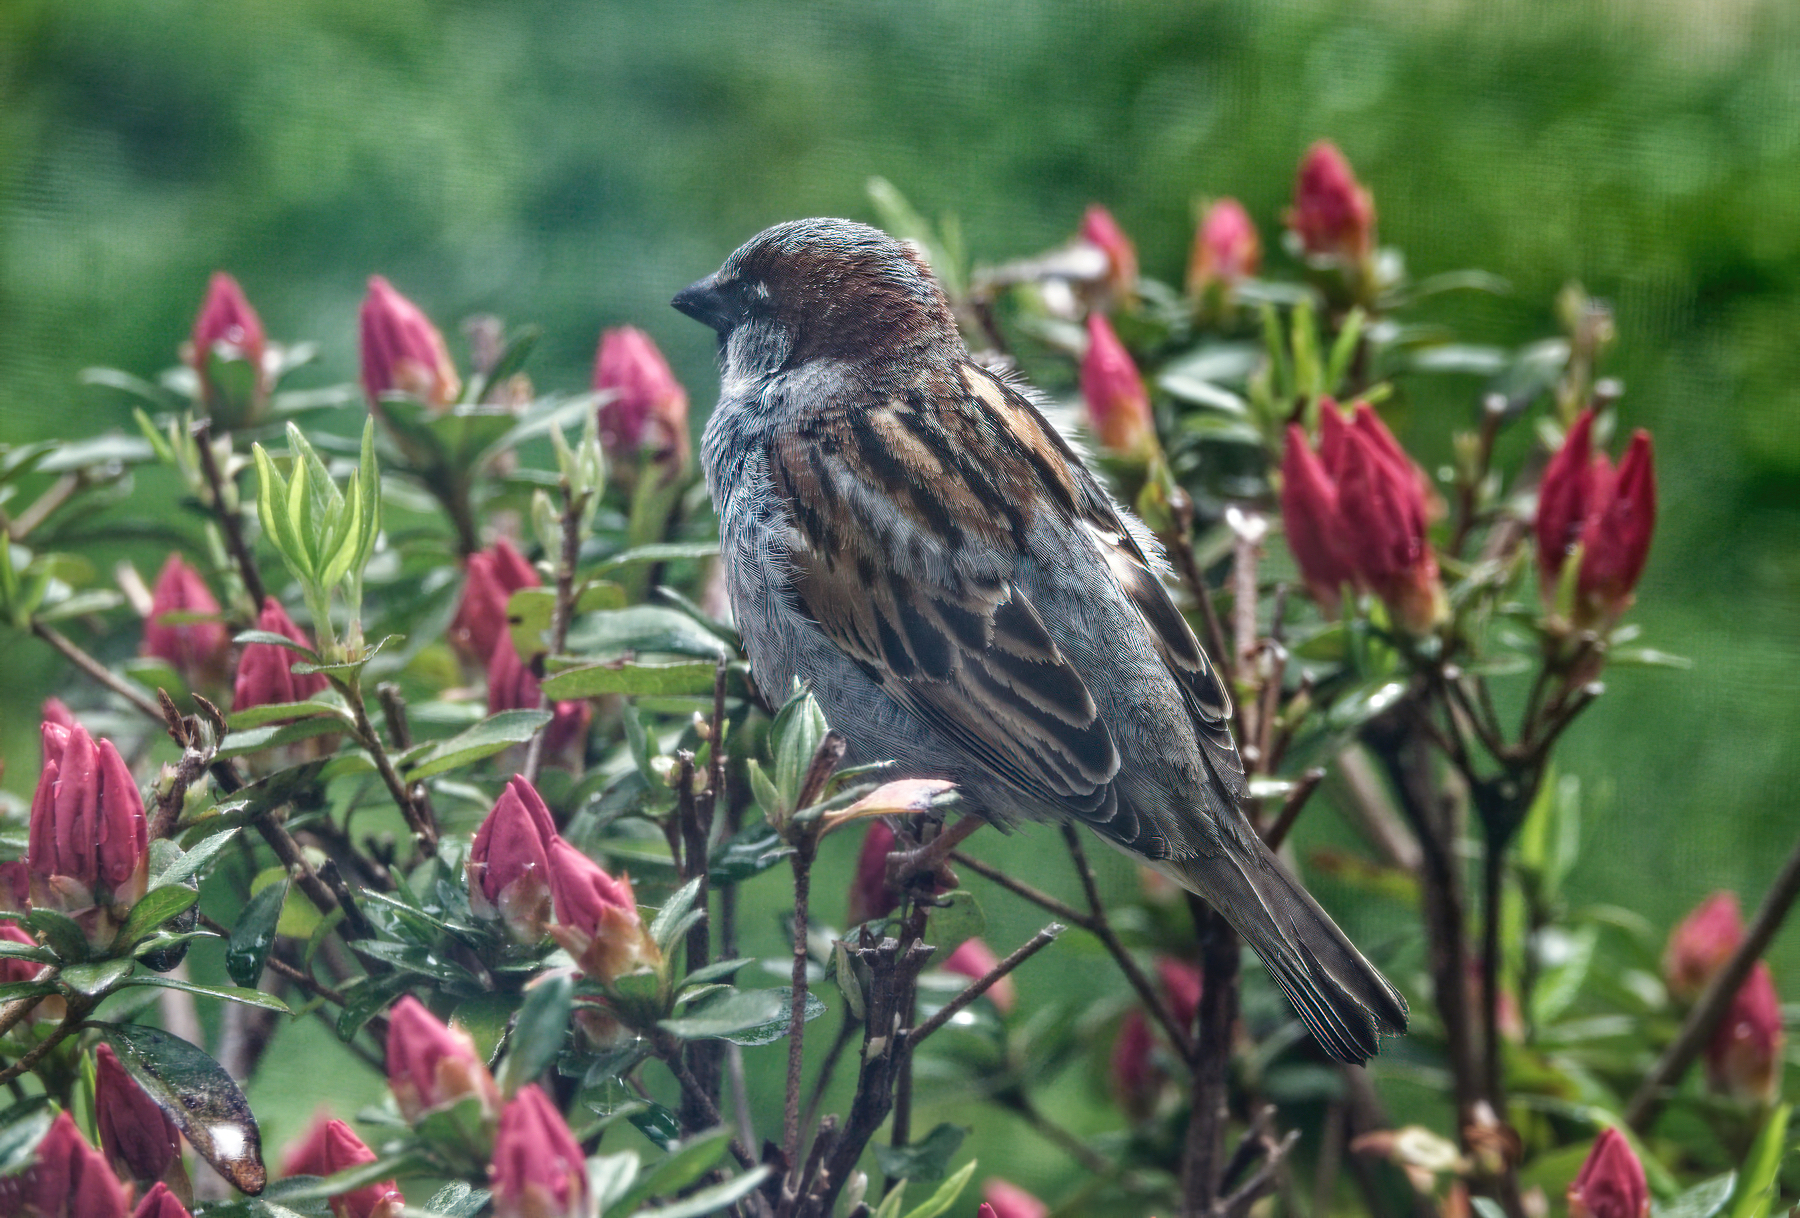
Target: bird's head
pixel 820 289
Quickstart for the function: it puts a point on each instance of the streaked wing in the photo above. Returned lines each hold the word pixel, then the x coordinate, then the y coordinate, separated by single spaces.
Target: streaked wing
pixel 885 498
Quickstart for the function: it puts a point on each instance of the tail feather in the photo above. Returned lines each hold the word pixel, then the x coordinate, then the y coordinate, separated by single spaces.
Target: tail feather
pixel 1343 999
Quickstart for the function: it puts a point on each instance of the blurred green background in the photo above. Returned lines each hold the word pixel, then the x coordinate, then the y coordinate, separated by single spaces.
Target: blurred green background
pixel 573 163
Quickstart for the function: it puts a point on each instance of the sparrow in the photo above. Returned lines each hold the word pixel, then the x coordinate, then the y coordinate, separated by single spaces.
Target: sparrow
pixel 904 533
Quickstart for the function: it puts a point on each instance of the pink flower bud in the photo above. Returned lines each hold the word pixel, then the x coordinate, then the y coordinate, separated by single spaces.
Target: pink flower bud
pixel 538 1169
pixel 1132 1073
pixel 1226 250
pixel 1743 1059
pixel 265 672
pixel 69 1179
pixel 870 895
pixel 1309 515
pixel 195 649
pixel 1099 228
pixel 1615 539
pixel 1008 1200
pixel 89 843
pixel 597 918
pixel 1701 944
pixel 330 1147
pixel 140 1140
pixel 1333 215
pixel 1118 404
pixel 159 1202
pixel 975 960
pixel 1611 1183
pixel 1566 494
pixel 494 575
pixel 511 686
pixel 55 712
pixel 986 1211
pixel 649 414
pixel 229 331
pixel 431 1065
pixel 402 352
pixel 1182 983
pixel 509 865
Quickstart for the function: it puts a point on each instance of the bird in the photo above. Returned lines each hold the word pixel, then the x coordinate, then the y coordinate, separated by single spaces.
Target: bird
pixel 905 535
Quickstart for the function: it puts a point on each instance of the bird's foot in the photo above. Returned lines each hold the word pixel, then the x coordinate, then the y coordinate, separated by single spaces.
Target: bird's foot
pixel 925 869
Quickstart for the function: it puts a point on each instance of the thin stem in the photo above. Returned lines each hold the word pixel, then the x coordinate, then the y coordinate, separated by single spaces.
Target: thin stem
pixel 981 985
pixel 98 671
pixel 423 827
pixel 802 858
pixel 1492 876
pixel 230 522
pixel 670 1052
pixel 562 614
pixel 846 1031
pixel 1291 808
pixel 78 1011
pixel 1202 1159
pixel 58 494
pixel 1704 1019
pixel 1068 913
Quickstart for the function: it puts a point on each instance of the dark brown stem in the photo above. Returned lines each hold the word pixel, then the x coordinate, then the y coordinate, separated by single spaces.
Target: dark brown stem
pixel 1101 928
pixel 702 1055
pixel 1203 1151
pixel 1493 874
pixel 77 1012
pixel 975 989
pixel 316 890
pixel 1063 1140
pixel 805 846
pixel 1068 913
pixel 418 817
pixel 196 756
pixel 230 522
pixel 669 1049
pixel 846 1031
pixel 1291 808
pixel 1704 1019
pixel 98 671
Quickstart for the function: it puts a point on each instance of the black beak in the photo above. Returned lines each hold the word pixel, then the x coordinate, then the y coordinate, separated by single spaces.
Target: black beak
pixel 704 303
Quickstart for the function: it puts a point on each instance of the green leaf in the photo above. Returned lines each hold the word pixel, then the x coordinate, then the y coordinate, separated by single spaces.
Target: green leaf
pixel 690 677
pixel 229 993
pixel 254 934
pixel 1487 1207
pixel 749 852
pixel 746 1017
pixel 958 919
pixel 890 1204
pixel 658 1124
pixel 271 639
pixel 256 739
pixel 712 972
pixel 685 1164
pixel 22 1126
pixel 710 1200
pixel 26 989
pixel 366 997
pixel 277 712
pixel 457 1200
pixel 645 628
pixel 662 551
pixel 61 933
pixel 153 909
pixel 492 735
pixel 98 978
pixel 1558 987
pixel 539 1031
pixel 1757 1179
pixel 190 862
pixel 946 1194
pixel 925 1160
pixel 197 1094
pixel 674 911
pixel 610 1177
pixel 1704 1200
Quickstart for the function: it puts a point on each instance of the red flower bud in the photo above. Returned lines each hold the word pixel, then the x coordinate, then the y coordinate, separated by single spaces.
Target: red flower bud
pixel 402 352
pixel 538 1169
pixel 1118 405
pixel 140 1140
pixel 89 843
pixel 511 686
pixel 509 865
pixel 229 332
pixel 649 413
pixel 597 917
pixel 1309 514
pixel 159 1202
pixel 975 960
pixel 1611 1182
pixel 1133 1074
pixel 870 895
pixel 1181 982
pixel 54 711
pixel 986 1211
pixel 1099 228
pixel 1701 944
pixel 1333 215
pixel 330 1147
pixel 1566 494
pixel 195 649
pixel 1007 1200
pixel 69 1179
pixel 265 672
pixel 494 575
pixel 1743 1059
pixel 431 1065
pixel 1615 540
pixel 1226 250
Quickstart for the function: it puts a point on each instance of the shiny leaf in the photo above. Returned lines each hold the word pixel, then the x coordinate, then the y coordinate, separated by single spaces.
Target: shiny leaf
pixel 254 934
pixel 492 735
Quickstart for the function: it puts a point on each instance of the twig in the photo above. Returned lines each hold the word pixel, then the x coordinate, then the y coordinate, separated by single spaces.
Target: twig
pixel 195 758
pixel 1250 1191
pixel 229 522
pixel 1101 928
pixel 418 818
pixel 1201 1169
pixel 1303 788
pixel 1068 913
pixel 805 846
pixel 562 614
pixel 316 890
pixel 670 1051
pixel 98 671
pixel 77 1012
pixel 59 493
pixel 846 1030
pixel 1704 1019
pixel 979 986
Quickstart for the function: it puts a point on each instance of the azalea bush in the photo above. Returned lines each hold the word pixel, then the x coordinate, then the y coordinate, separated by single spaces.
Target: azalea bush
pixel 439 723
